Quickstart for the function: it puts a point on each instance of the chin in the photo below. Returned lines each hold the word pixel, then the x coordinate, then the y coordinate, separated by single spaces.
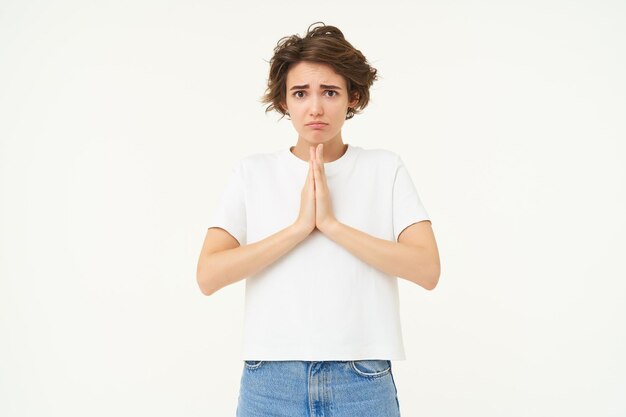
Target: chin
pixel 315 138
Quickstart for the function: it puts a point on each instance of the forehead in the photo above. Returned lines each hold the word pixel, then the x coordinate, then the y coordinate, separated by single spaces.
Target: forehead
pixel 306 72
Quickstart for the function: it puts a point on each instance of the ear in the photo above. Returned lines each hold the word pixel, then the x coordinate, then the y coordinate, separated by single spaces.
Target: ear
pixel 354 101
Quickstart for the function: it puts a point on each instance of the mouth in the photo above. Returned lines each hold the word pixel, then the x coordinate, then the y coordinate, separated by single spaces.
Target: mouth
pixel 317 124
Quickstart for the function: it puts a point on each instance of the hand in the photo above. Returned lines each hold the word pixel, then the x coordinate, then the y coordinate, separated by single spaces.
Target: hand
pixel 324 216
pixel 306 217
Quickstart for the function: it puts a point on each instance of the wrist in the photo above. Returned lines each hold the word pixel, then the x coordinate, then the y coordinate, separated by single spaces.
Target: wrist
pixel 299 231
pixel 330 227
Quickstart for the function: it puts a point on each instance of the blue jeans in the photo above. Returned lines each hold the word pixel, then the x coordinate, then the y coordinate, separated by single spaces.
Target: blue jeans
pixel 318 389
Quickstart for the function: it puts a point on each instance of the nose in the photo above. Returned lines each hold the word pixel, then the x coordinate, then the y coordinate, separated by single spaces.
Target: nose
pixel 316 106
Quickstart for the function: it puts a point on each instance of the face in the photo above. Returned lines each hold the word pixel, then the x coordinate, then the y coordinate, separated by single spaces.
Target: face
pixel 315 92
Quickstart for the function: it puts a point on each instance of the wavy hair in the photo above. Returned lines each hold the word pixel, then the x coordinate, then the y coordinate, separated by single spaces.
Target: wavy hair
pixel 323 44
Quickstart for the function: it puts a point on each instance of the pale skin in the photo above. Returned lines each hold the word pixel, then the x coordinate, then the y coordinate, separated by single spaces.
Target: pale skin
pixel 415 257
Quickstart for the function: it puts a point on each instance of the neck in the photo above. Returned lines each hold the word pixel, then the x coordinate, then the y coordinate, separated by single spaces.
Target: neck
pixel 333 149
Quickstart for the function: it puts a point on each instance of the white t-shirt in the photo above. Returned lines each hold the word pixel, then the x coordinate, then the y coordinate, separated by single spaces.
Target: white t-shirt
pixel 318 301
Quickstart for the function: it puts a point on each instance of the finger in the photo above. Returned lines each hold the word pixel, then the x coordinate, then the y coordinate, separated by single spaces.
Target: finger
pixel 319 177
pixel 312 183
pixel 312 160
pixel 320 158
pixel 316 173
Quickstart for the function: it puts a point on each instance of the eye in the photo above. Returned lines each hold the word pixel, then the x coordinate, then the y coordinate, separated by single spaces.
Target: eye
pixel 299 91
pixel 332 91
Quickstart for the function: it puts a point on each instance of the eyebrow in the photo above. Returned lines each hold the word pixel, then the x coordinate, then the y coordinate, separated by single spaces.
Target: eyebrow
pixel 305 86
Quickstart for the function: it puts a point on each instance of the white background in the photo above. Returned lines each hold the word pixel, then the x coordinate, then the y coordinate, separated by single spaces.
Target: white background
pixel 120 121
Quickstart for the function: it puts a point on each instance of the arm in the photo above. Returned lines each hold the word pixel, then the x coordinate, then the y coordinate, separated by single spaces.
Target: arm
pixel 219 268
pixel 223 261
pixel 414 257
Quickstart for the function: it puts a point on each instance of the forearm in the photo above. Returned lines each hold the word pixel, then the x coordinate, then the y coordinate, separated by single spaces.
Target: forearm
pixel 223 268
pixel 412 263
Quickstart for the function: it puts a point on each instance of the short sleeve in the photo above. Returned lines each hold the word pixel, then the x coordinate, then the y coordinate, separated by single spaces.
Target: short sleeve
pixel 407 205
pixel 230 213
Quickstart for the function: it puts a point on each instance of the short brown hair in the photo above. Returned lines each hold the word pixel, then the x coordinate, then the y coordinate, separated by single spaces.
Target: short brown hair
pixel 323 44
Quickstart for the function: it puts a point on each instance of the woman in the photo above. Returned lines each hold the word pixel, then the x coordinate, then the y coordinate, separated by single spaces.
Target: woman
pixel 321 231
